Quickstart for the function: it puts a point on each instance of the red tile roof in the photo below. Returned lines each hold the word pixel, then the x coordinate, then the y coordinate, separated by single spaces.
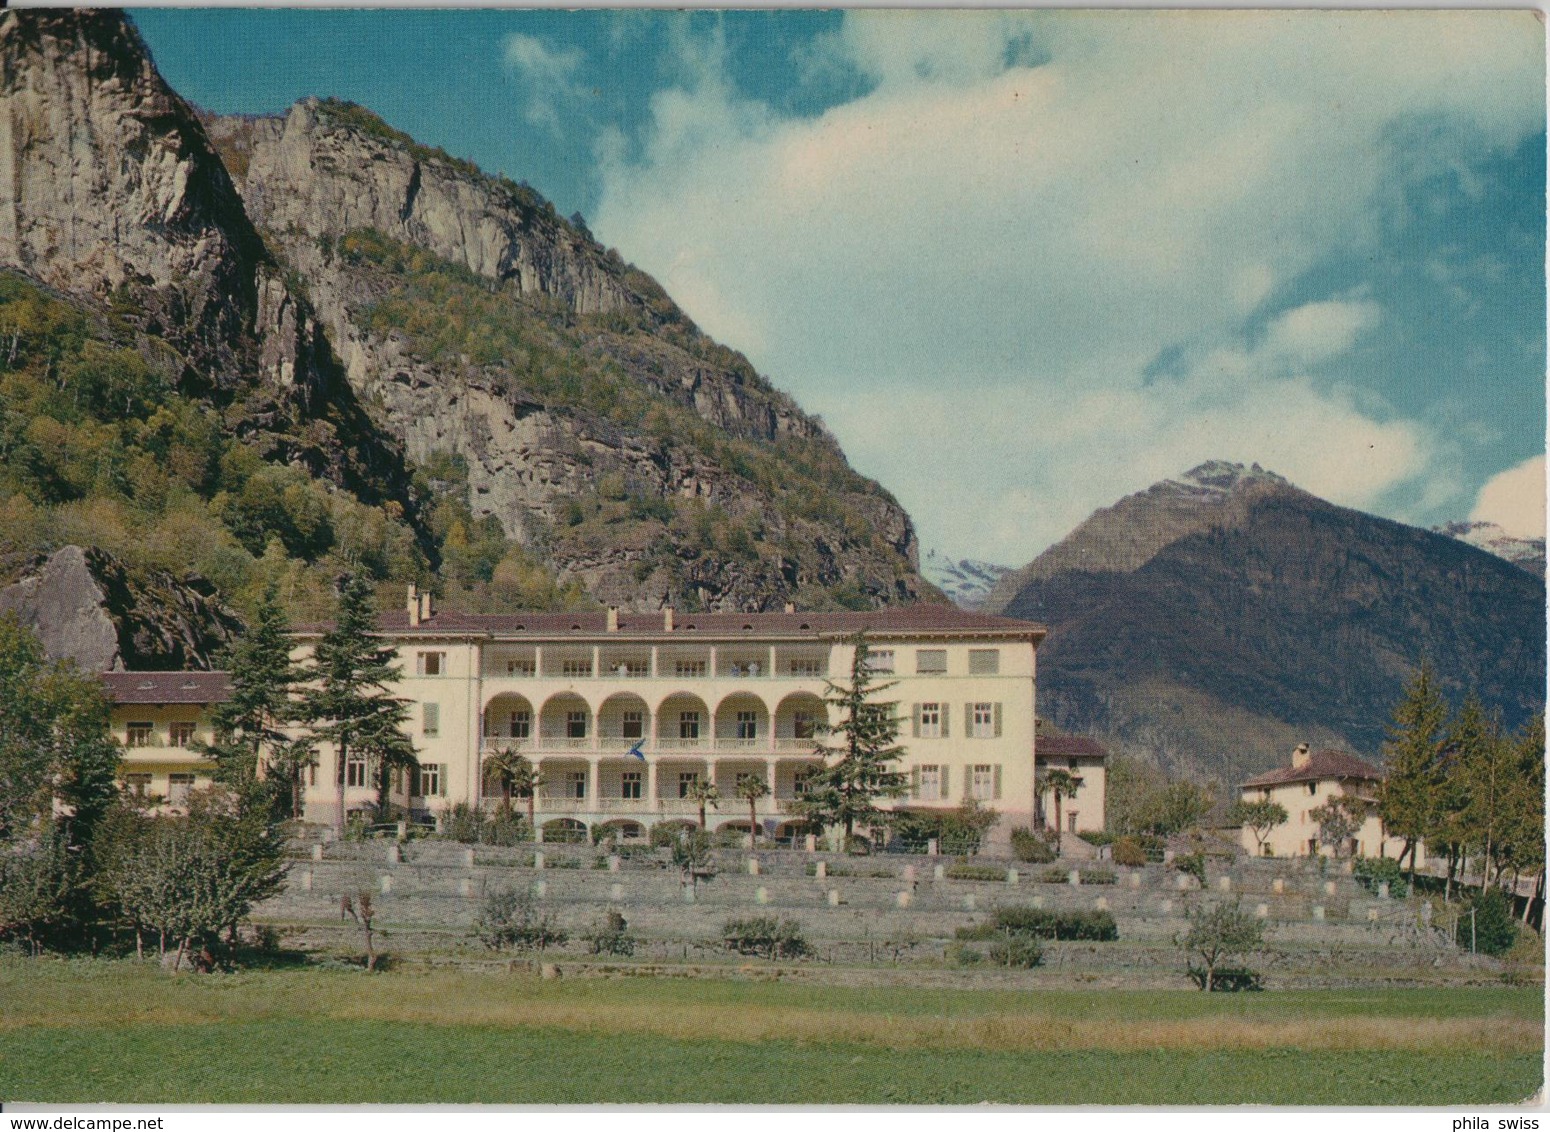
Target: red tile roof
pixel 1321 765
pixel 904 619
pixel 167 687
pixel 1069 745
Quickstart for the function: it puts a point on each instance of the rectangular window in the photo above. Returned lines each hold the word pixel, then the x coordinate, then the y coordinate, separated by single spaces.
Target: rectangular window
pixel 429 780
pixel 879 660
pixel 982 784
pixel 930 721
pixel 984 720
pixel 520 725
pixel 747 725
pixel 930 660
pixel 576 667
pixel 355 771
pixel 629 784
pixel 519 668
pixel 931 783
pixel 633 726
pixel 576 725
pixel 801 782
pixel 806 667
pixel 430 720
pixel 178 786
pixel 688 668
pixel 139 734
pixel 686 781
pixel 688 725
pixel 803 725
pixel 575 784
pixel 137 784
pixel 181 734
pixel 431 664
pixel 984 662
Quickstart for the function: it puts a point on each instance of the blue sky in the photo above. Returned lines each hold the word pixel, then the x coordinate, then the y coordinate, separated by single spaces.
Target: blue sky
pixel 1025 263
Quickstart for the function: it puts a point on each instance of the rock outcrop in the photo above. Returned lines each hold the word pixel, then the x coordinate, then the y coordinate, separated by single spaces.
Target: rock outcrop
pixel 85 607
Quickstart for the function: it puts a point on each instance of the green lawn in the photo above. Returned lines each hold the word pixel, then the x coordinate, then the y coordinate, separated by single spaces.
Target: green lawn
pixel 80 1032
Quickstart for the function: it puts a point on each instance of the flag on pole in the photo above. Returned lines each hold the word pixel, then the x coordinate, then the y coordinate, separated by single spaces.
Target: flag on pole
pixel 636 752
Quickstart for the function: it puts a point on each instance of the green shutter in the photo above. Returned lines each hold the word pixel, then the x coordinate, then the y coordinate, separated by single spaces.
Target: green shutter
pixel 968 721
pixel 997 711
pixel 945 789
pixel 996 790
pixel 915 720
pixel 915 780
pixel 946 731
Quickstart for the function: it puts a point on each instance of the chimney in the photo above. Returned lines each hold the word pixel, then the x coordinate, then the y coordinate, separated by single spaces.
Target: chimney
pixel 1300 756
pixel 427 609
pixel 667 619
pixel 791 607
pixel 413 605
pixel 613 618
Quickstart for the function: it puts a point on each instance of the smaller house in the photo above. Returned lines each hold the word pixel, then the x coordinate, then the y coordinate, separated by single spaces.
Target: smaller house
pixel 1087 760
pixel 157 717
pixel 1312 780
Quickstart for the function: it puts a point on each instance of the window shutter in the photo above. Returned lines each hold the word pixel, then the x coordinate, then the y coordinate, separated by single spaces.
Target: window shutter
pixel 414 782
pixel 996 789
pixel 915 779
pixel 943 790
pixel 968 721
pixel 947 731
pixel 997 711
pixel 915 722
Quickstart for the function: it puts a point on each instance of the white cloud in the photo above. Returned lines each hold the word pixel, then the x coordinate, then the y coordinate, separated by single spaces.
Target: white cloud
pixel 1515 500
pixel 548 76
pixel 973 264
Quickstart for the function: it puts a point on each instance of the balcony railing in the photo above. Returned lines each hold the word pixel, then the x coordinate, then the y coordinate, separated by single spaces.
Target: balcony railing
pixel 618 746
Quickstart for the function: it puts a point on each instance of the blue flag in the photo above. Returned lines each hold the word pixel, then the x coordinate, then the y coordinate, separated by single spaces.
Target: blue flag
pixel 636 752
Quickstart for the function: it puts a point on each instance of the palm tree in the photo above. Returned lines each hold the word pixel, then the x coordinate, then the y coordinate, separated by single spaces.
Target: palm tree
pixel 503 763
pixel 525 780
pixel 1063 784
pixel 706 794
pixel 750 788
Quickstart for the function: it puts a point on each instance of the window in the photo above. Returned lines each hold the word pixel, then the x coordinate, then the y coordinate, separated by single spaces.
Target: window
pixel 803 725
pixel 428 781
pixel 178 786
pixel 137 784
pixel 633 726
pixel 930 778
pixel 355 771
pixel 929 721
pixel 688 725
pixel 985 782
pixel 688 668
pixel 139 734
pixel 312 774
pixel 879 660
pixel 520 725
pixel 686 781
pixel 431 664
pixel 801 782
pixel 747 725
pixel 520 667
pixel 576 667
pixel 806 667
pixel 575 784
pixel 430 720
pixel 930 660
pixel 984 721
pixel 984 662
pixel 629 784
pixel 1313 788
pixel 182 734
pixel 576 726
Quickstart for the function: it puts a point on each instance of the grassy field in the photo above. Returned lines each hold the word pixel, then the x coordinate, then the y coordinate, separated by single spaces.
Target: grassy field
pixel 117 1031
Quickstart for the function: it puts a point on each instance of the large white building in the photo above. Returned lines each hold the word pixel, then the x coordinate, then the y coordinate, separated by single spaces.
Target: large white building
pixel 703 697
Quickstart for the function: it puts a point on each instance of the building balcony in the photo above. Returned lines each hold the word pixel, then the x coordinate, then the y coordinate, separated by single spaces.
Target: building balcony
pixel 614 746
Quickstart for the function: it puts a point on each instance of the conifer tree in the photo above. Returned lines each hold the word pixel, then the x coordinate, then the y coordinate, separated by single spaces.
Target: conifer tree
pixel 858 769
pixel 1412 763
pixel 1488 762
pixel 348 700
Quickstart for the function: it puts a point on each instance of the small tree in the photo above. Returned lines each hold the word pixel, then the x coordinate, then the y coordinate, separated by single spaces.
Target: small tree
pixel 703 792
pixel 39 884
pixel 1217 933
pixel 751 788
pixel 1259 818
pixel 691 853
pixel 363 910
pixel 843 790
pixel 1061 783
pixel 1339 820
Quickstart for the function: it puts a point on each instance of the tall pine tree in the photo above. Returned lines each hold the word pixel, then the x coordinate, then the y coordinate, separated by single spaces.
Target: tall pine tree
pixel 348 700
pixel 1412 764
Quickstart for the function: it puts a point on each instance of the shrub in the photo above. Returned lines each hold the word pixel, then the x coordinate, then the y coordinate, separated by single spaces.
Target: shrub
pixel 666 833
pixel 1192 864
pixel 982 931
pixel 509 919
pixel 1016 951
pixel 1047 923
pixel 964 956
pixel 1099 876
pixel 461 825
pixel 1491 927
pixel 1056 875
pixel 611 936
pixel 1370 872
pixel 964 871
pixel 766 937
pixel 1032 847
pixel 1226 979
pixel 1128 853
pixel 505 828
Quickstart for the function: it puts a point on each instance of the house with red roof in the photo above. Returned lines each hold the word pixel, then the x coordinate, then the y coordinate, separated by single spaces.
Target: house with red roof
pixel 1312 780
pixel 158 719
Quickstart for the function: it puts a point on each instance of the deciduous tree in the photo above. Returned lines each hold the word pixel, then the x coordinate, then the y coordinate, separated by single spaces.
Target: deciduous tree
pixel 1258 817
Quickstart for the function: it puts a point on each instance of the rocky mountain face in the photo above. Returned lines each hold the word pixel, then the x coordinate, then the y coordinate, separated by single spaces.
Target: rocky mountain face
pixel 967 582
pixel 1212 622
pixel 399 326
pixel 87 607
pixel 1527 553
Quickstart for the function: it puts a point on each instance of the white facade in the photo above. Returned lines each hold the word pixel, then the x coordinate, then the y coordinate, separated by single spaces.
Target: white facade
pixel 1312 780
